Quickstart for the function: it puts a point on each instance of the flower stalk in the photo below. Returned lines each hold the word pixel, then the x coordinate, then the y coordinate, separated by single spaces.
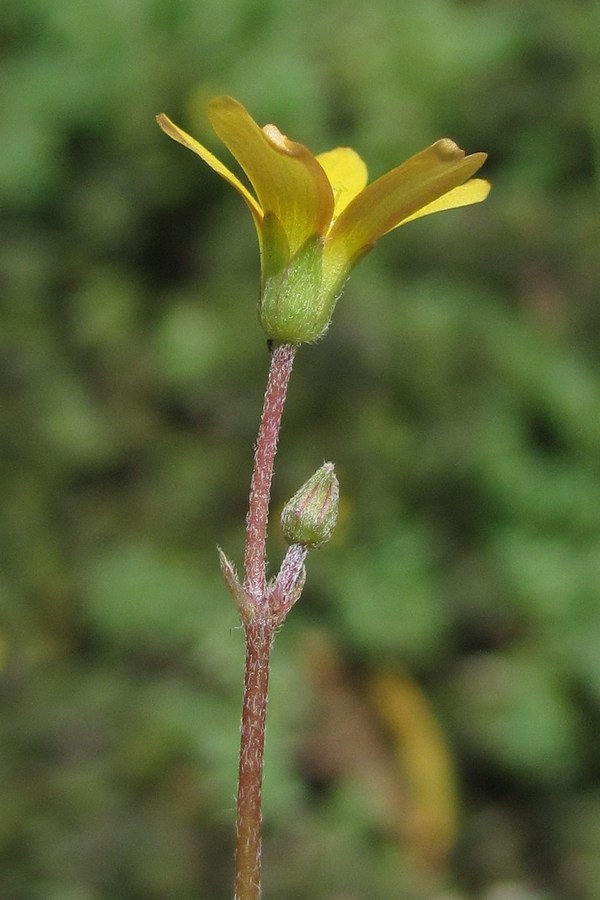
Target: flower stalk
pixel 282 360
pixel 259 622
pixel 264 606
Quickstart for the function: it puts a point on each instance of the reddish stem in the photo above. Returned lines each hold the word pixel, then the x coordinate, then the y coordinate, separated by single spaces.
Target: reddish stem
pixel 259 628
pixel 259 638
pixel 282 359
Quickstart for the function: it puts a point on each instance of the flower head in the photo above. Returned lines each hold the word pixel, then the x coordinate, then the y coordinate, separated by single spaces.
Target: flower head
pixel 316 215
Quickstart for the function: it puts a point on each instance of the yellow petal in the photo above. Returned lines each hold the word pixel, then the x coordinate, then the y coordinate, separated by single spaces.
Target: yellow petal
pixel 473 191
pixel 347 175
pixel 182 137
pixel 401 193
pixel 288 180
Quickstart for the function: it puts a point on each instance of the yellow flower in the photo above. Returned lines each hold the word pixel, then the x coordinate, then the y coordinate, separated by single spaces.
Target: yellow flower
pixel 316 215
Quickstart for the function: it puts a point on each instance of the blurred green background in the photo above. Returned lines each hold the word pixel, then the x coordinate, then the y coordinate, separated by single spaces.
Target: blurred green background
pixel 435 707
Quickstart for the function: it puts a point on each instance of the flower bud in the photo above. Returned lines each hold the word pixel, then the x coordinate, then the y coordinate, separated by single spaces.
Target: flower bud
pixel 309 517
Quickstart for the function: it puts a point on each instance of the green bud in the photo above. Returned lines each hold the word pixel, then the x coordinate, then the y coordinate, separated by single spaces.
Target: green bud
pixel 295 305
pixel 309 517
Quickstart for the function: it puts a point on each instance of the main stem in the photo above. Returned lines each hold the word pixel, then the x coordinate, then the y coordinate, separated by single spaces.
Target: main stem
pixel 259 632
pixel 259 638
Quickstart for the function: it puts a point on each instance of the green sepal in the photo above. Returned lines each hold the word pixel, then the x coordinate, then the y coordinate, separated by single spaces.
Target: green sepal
pixel 294 306
pixel 275 249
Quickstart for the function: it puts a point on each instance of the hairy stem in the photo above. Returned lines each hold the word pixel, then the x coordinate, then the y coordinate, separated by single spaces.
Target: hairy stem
pixel 259 638
pixel 259 625
pixel 282 359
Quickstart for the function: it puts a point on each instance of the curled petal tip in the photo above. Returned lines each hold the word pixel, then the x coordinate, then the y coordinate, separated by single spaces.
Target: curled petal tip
pixel 446 148
pixel 281 142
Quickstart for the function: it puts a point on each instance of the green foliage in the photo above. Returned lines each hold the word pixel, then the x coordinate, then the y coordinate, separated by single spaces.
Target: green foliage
pixel 457 393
